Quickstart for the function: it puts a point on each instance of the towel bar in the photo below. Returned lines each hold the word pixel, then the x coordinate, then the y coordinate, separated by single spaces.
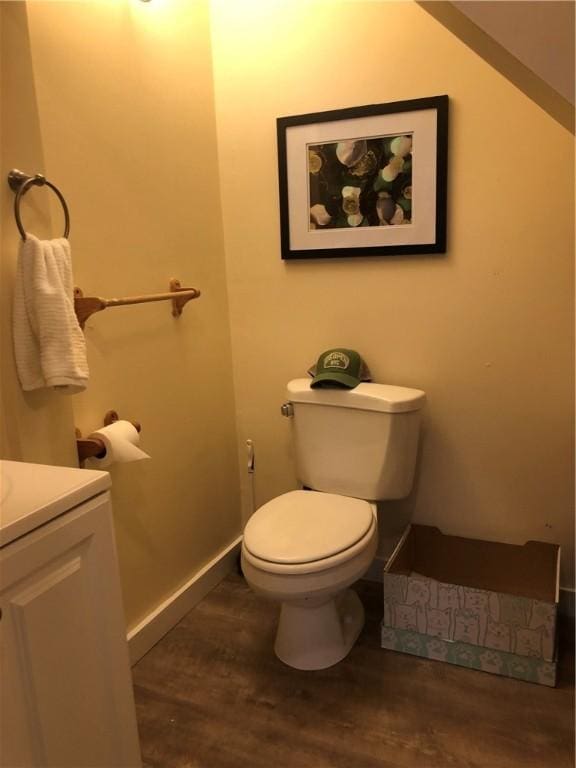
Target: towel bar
pixel 88 305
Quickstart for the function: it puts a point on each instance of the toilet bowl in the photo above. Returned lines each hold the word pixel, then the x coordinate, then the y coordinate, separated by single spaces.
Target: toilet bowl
pixel 304 549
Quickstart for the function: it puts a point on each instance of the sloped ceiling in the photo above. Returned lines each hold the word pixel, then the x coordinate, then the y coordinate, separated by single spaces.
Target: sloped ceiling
pixel 539 34
pixel 531 43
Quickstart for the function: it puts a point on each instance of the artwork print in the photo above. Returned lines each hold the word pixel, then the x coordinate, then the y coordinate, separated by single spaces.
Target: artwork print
pixel 361 183
pixel 364 181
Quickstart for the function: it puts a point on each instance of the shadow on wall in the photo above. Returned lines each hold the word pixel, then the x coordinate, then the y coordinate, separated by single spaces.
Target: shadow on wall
pixel 395 515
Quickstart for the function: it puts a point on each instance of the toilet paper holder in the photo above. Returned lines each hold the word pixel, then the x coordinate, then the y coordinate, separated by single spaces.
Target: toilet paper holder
pixel 93 446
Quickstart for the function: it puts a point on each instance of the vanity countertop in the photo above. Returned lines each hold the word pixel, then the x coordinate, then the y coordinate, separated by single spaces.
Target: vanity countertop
pixel 33 494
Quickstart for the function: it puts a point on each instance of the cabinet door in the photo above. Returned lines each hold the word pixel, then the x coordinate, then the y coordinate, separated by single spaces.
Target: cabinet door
pixel 66 695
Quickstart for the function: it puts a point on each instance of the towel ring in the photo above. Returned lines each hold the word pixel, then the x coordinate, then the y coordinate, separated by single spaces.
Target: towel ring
pixel 21 183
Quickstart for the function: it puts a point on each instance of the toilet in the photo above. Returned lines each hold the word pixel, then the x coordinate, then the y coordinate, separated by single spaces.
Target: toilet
pixel 305 548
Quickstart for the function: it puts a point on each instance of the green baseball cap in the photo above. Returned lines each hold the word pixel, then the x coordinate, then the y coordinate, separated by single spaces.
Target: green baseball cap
pixel 339 368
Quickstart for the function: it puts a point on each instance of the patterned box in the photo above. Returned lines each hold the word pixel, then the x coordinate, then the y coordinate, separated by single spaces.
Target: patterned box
pixel 479 604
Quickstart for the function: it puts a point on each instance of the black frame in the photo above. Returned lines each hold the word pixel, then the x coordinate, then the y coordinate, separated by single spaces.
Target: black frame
pixel 438 245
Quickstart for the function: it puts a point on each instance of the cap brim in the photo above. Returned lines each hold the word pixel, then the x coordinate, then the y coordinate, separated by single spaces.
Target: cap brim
pixel 342 379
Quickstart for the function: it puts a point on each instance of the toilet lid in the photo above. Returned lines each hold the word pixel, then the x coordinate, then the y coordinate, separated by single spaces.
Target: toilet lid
pixel 304 526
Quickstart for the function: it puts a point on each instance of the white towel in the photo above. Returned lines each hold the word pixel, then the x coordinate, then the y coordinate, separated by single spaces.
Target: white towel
pixel 48 342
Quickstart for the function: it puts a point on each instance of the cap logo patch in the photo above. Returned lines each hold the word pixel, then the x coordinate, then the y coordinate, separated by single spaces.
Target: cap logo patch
pixel 336 360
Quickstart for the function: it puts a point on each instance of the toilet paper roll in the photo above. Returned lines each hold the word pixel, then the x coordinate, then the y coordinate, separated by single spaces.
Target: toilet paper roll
pixel 121 440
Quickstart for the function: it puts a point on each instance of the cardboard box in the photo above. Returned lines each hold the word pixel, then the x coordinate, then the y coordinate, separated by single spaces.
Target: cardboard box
pixel 478 604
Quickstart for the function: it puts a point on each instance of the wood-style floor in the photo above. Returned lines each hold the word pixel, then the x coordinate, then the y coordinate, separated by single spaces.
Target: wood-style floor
pixel 212 694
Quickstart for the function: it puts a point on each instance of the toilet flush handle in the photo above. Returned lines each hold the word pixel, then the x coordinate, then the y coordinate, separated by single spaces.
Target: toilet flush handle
pixel 287 409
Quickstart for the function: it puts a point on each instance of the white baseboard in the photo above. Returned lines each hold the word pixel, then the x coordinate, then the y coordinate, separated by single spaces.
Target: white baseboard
pixel 565 606
pixel 166 615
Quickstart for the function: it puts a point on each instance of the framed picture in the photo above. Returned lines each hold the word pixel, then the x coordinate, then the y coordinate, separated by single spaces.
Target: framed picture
pixel 364 181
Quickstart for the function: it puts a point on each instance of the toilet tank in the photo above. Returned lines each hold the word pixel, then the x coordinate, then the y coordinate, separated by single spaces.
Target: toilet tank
pixel 359 442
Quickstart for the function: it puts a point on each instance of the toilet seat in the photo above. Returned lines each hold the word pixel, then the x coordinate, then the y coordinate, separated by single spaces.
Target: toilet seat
pixel 304 532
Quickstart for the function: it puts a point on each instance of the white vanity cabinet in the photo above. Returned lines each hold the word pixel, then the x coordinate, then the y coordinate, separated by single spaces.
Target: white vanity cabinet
pixel 66 692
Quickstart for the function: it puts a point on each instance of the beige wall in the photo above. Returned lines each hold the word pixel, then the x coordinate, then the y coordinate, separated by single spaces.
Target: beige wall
pixel 485 330
pixel 117 109
pixel 35 426
pixel 113 100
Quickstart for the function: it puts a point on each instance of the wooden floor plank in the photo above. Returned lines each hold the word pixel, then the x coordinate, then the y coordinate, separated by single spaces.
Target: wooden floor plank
pixel 212 694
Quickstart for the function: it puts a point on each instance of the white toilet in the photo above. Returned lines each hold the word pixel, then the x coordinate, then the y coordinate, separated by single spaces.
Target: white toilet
pixel 305 548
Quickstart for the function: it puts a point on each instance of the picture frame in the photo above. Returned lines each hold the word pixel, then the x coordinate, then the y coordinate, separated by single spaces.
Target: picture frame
pixel 364 181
